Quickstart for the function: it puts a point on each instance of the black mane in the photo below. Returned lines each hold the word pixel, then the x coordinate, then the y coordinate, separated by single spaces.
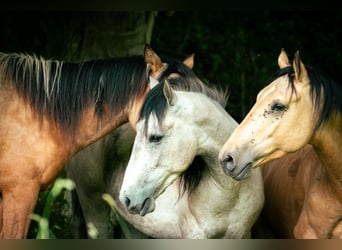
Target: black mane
pixel 155 102
pixel 332 91
pixel 61 90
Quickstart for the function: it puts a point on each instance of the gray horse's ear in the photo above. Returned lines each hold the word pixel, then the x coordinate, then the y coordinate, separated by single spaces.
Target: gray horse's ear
pixel 153 82
pixel 169 93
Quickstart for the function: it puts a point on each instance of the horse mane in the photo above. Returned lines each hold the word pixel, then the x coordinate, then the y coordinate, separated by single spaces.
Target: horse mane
pixel 192 176
pixel 61 90
pixel 319 84
pixel 155 102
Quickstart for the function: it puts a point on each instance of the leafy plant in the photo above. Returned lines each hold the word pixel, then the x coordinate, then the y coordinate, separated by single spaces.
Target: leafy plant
pixel 44 231
pixel 123 225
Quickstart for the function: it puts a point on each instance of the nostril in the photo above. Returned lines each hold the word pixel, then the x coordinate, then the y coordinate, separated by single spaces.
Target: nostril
pixel 228 163
pixel 229 159
pixel 127 201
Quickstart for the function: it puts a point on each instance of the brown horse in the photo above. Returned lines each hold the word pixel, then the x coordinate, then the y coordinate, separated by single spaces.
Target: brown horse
pixel 288 185
pixel 298 107
pixel 50 110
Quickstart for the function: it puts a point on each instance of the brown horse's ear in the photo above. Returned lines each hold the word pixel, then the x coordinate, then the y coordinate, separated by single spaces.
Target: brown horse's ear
pixel 153 61
pixel 189 61
pixel 283 60
pixel 301 75
pixel 169 93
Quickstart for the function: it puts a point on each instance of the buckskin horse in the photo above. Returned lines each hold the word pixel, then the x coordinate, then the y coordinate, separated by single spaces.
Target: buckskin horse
pixel 298 107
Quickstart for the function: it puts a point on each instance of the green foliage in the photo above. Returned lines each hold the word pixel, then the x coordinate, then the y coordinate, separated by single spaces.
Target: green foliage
pixel 43 231
pixel 123 225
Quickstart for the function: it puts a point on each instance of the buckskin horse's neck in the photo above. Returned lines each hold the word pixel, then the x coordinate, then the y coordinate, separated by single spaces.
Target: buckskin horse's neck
pixel 327 142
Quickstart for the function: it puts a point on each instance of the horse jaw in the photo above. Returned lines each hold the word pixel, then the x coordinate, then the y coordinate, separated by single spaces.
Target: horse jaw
pixel 142 203
pixel 149 172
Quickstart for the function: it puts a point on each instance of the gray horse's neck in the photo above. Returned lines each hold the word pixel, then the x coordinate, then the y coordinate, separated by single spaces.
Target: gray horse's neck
pixel 218 127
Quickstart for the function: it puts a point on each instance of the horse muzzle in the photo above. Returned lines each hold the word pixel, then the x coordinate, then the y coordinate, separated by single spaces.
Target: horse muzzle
pixel 233 170
pixel 141 208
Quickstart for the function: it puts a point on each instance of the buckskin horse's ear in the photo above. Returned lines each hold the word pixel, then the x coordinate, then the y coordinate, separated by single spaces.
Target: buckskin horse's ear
pixel 283 60
pixel 169 93
pixel 189 61
pixel 153 61
pixel 301 75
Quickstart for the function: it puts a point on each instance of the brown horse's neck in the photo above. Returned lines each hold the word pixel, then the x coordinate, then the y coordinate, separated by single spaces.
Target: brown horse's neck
pixel 327 142
pixel 92 127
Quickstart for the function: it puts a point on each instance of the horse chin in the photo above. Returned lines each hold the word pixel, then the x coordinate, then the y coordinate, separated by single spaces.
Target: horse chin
pixel 244 173
pixel 147 207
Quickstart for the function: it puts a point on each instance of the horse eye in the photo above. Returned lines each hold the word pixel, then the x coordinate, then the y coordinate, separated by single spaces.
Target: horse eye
pixel 278 107
pixel 155 138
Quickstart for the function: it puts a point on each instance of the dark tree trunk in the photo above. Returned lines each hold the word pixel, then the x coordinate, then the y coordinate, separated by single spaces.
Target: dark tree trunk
pixel 76 35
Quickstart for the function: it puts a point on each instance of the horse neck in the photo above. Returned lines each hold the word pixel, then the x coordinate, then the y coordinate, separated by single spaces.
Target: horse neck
pixel 92 127
pixel 220 125
pixel 327 142
pixel 215 189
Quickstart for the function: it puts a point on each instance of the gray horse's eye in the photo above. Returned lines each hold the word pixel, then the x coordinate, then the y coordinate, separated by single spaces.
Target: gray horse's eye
pixel 155 138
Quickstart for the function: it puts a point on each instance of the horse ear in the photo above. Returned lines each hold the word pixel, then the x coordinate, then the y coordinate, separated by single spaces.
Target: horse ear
pixel 169 93
pixel 189 61
pixel 301 75
pixel 283 60
pixel 152 60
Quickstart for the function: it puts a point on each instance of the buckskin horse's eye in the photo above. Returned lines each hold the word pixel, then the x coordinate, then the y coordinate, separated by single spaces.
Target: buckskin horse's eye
pixel 155 138
pixel 277 106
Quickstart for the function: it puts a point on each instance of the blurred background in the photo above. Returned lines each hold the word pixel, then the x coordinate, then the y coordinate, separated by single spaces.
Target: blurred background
pixel 237 50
